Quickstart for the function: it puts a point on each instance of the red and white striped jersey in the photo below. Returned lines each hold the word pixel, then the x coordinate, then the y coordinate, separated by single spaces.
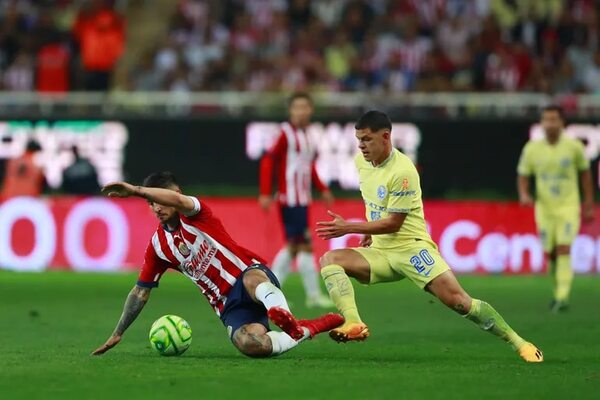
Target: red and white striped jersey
pixel 203 251
pixel 293 158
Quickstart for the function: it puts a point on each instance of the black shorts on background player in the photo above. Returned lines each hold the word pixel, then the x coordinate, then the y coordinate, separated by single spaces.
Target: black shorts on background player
pixel 295 223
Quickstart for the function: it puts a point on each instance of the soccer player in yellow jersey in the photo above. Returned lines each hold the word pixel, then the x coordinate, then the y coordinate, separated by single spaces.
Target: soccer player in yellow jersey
pixel 556 162
pixel 396 244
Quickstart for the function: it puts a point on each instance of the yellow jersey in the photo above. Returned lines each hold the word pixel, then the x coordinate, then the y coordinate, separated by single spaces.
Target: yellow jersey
pixel 556 170
pixel 393 187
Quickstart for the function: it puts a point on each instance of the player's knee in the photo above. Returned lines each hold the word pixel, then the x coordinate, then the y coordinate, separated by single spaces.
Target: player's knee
pixel 330 257
pixel 253 278
pixel 255 346
pixel 255 350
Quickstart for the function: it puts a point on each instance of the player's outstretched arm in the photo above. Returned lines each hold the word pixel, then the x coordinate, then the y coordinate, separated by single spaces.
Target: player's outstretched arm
pixel 136 300
pixel 340 227
pixel 166 197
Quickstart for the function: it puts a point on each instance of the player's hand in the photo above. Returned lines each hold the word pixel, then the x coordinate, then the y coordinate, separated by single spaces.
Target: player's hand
pixel 328 198
pixel 526 200
pixel 332 229
pixel 110 343
pixel 366 241
pixel 265 201
pixel 588 212
pixel 119 189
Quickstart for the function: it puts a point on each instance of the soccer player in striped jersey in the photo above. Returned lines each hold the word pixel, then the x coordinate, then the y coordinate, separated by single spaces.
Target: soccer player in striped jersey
pixel 243 292
pixel 292 158
pixel 396 243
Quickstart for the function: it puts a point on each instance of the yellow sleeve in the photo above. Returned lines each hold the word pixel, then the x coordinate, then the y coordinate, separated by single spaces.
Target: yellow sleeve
pixel 581 160
pixel 525 166
pixel 404 189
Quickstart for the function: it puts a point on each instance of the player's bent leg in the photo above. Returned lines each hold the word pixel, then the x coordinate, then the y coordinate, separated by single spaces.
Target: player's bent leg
pixel 352 262
pixel 253 341
pixel 563 278
pixel 336 266
pixel 447 288
pixel 262 290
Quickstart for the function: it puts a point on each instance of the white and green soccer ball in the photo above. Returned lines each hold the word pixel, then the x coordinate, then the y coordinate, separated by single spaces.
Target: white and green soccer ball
pixel 170 335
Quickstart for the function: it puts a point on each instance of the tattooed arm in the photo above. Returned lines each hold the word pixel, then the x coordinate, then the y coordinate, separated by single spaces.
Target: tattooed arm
pixel 136 300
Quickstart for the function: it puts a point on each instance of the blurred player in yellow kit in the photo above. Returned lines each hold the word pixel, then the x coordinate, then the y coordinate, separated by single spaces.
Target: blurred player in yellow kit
pixel 556 162
pixel 396 244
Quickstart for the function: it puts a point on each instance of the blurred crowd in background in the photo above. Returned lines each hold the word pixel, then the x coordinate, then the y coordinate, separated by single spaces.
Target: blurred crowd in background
pixel 59 45
pixel 549 46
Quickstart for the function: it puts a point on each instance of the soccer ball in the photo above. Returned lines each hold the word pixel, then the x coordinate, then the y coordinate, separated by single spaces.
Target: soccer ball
pixel 170 335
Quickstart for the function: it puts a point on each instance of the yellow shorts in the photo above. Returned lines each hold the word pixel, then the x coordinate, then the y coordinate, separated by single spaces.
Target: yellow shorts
pixel 421 263
pixel 556 230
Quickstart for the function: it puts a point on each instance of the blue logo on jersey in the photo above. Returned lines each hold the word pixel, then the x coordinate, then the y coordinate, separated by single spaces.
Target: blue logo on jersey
pixel 381 192
pixel 565 162
pixel 375 215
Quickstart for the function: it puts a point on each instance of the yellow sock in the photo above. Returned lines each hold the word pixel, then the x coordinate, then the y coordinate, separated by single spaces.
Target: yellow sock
pixel 563 278
pixel 341 291
pixel 488 319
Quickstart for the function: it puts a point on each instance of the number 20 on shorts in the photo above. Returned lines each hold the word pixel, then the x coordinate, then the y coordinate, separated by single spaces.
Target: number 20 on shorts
pixel 421 261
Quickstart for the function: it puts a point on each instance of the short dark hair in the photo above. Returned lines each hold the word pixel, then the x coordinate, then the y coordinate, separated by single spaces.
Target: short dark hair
pixel 299 95
pixel 33 146
pixel 374 120
pixel 164 179
pixel 555 108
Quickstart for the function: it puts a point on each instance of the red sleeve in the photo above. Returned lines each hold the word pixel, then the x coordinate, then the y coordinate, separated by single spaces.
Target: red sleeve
pixel 268 161
pixel 153 268
pixel 321 187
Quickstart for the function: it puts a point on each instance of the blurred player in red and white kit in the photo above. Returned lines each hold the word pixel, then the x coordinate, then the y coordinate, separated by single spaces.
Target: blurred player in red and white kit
pixel 292 158
pixel 243 292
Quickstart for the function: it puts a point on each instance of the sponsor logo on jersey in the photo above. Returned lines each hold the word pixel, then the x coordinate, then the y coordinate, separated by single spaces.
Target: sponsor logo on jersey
pixel 405 184
pixel 199 263
pixel 381 192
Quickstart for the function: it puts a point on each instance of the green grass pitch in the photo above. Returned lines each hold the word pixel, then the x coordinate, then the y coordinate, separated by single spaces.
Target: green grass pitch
pixel 418 349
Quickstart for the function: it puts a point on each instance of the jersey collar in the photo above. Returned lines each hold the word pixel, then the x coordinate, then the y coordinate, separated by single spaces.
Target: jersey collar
pixel 387 160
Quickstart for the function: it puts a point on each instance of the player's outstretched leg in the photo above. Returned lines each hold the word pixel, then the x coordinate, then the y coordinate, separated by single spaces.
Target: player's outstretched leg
pixel 341 291
pixel 448 290
pixel 254 340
